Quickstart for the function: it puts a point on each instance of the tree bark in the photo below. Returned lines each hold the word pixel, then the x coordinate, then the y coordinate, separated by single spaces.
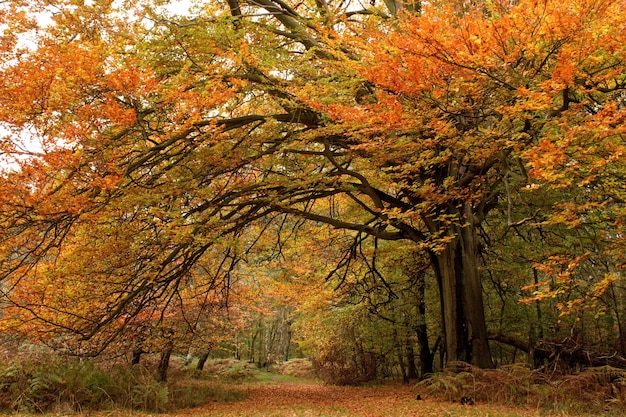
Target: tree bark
pixel 202 360
pixel 410 360
pixel 566 351
pixel 136 356
pixel 287 342
pixel 164 363
pixel 426 355
pixel 400 355
pixel 394 6
pixel 456 268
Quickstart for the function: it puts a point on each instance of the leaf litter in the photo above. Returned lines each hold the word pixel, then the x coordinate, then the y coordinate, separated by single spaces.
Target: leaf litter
pixel 317 400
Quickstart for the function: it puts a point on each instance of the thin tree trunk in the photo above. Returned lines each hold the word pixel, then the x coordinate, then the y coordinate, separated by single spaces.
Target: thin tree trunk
pixel 252 344
pixel 426 356
pixel 410 360
pixel 136 356
pixel 537 333
pixel 287 342
pixel 237 350
pixel 164 363
pixel 188 357
pixel 400 356
pixel 202 360
pixel 618 319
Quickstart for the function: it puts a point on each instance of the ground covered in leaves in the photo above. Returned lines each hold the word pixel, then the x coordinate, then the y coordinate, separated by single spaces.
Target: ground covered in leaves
pixel 288 399
pixel 230 388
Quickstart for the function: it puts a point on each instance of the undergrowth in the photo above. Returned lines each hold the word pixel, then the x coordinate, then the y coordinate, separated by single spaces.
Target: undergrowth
pixel 595 390
pixel 49 384
pixel 65 386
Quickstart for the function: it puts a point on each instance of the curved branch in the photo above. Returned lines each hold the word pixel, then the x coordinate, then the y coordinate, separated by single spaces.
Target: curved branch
pixel 341 224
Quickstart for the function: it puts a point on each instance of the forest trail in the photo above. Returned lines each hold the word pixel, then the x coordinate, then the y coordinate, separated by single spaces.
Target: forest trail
pixel 311 400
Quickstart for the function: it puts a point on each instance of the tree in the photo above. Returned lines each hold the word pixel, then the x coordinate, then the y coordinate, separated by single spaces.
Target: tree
pixel 488 91
pixel 193 129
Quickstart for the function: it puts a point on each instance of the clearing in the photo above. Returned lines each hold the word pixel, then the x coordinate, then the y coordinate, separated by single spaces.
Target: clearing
pixel 314 399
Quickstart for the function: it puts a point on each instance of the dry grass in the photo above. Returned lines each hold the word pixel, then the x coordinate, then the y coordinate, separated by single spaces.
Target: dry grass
pixel 299 368
pixel 597 390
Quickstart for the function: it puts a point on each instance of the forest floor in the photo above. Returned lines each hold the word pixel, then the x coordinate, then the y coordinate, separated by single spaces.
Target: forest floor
pixel 229 388
pixel 309 399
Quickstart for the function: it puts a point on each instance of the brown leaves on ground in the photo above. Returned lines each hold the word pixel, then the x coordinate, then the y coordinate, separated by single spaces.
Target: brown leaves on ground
pixel 308 400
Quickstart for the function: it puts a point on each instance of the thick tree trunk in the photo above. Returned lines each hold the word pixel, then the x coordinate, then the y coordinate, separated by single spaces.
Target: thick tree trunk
pixel 472 292
pixel 456 267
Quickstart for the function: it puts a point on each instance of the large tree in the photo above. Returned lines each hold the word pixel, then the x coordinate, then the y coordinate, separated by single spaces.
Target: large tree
pixel 178 132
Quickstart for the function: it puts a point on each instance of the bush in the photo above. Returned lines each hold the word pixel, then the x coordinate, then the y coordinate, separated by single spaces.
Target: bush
pixel 24 387
pixel 592 390
pixel 190 393
pixel 41 386
pixel 231 370
pixel 55 384
pixel 345 367
pixel 137 388
pixel 299 368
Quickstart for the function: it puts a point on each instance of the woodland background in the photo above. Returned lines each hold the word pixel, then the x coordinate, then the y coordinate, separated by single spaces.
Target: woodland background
pixel 391 189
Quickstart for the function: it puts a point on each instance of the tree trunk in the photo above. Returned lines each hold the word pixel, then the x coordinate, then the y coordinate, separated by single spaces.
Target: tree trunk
pixel 617 301
pixel 287 342
pixel 426 355
pixel 136 358
pixel 403 370
pixel 253 339
pixel 394 6
pixel 188 357
pixel 202 360
pixel 164 363
pixel 410 361
pixel 400 355
pixel 456 268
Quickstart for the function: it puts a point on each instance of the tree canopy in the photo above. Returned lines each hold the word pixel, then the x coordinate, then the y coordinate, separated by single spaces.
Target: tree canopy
pixel 151 153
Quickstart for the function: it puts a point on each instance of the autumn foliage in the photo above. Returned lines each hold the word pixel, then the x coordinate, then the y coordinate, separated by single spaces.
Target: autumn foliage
pixel 174 183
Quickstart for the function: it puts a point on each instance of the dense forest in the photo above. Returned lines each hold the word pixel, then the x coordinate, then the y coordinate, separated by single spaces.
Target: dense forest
pixel 390 188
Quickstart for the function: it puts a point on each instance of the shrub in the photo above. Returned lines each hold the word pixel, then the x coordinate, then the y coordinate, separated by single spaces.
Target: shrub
pixel 137 388
pixel 345 367
pixel 190 393
pixel 46 385
pixel 231 370
pixel 592 390
pixel 26 387
pixel 300 368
